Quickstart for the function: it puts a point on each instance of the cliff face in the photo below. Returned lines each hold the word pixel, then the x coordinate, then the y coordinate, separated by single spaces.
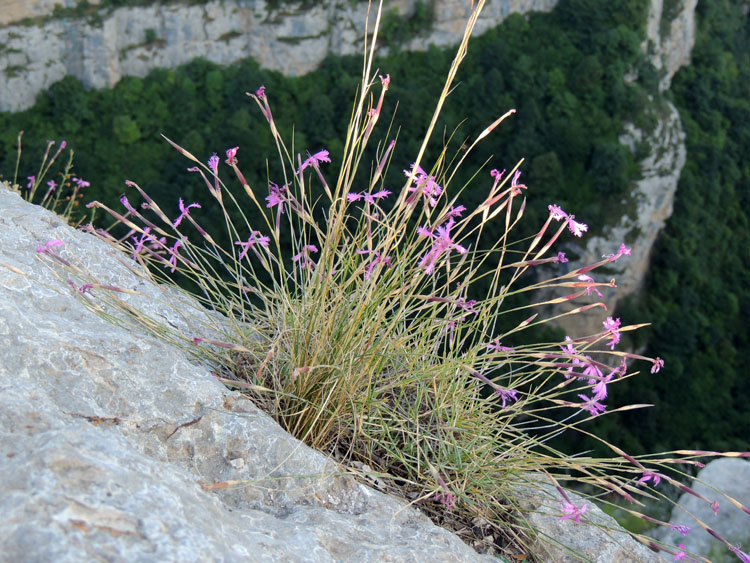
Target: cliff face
pixel 670 39
pixel 293 39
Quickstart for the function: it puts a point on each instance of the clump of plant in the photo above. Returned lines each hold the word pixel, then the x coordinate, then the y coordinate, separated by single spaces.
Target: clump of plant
pixel 352 320
pixel 62 196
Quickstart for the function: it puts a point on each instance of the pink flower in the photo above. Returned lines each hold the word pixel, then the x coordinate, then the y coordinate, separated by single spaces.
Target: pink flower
pixel 276 196
pixel 254 238
pixel 715 507
pixel 682 529
pixel 443 244
pixel 561 257
pixel 744 557
pixel 648 476
pixel 455 211
pixel 557 212
pixel 385 81
pixel 612 327
pixel 232 155
pixel 515 186
pixel 658 364
pixel 31 181
pixel 497 347
pixel 146 236
pixel 126 204
pixel 304 256
pixel 570 510
pixel 680 554
pixel 377 260
pixel 49 245
pixel 184 212
pixel 213 163
pixel 369 198
pixel 589 288
pixel 574 226
pixel 425 184
pixel 577 228
pixel 600 388
pixel 81 183
pixel 315 159
pixel 592 405
pixel 172 262
pixel 52 185
pixel 496 174
pixel 261 92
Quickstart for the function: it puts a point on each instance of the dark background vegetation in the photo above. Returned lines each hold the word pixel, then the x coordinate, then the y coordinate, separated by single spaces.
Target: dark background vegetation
pixel 564 72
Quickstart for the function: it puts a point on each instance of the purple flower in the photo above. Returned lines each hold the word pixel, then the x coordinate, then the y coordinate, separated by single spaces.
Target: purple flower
pixel 592 405
pixel 254 238
pixel 658 364
pixel 184 212
pixel 261 92
pixel 455 212
pixel 52 185
pixel 680 554
pixel 506 394
pixel 561 258
pixel 715 507
pixel 81 183
pixel 443 244
pixel 570 510
pixel 31 181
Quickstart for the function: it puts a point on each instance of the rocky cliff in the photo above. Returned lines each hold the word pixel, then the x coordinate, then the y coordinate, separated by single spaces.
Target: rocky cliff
pixel 293 38
pixel 669 42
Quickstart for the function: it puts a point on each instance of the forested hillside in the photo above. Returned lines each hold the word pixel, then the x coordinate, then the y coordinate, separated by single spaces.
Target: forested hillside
pixel 565 73
pixel 698 290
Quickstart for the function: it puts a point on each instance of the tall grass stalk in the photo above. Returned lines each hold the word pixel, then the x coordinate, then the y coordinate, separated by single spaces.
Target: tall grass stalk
pixel 352 319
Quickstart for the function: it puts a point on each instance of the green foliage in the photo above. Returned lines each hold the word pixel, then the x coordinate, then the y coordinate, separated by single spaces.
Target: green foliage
pixel 395 29
pixel 697 293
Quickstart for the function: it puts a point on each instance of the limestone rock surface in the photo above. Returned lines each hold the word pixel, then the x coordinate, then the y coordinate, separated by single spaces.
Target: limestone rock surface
pixel 109 437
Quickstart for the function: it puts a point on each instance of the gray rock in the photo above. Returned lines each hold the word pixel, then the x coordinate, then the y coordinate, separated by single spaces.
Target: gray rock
pixel 109 437
pixel 597 538
pixel 293 38
pixel 731 476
